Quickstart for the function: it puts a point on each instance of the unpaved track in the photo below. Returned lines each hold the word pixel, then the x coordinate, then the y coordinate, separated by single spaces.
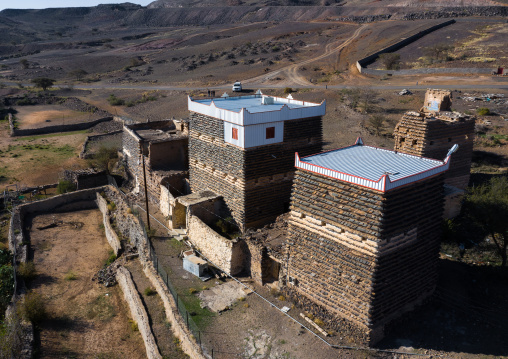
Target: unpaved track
pixel 291 71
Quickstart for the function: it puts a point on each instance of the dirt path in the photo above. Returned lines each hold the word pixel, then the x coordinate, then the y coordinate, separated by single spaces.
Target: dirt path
pixel 85 319
pixel 291 71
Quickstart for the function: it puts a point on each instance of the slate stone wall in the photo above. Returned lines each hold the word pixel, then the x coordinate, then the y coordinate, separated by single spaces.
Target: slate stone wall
pixel 255 182
pixel 433 138
pixel 360 255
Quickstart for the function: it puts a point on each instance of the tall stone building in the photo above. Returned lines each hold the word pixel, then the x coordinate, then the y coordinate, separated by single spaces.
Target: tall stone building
pixel 363 237
pixel 242 148
pixel 430 132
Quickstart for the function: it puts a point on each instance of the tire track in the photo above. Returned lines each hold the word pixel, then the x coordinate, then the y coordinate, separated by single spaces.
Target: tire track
pixel 292 71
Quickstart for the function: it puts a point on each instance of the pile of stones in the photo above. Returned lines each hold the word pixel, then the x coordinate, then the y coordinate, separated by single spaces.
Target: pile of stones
pixel 106 276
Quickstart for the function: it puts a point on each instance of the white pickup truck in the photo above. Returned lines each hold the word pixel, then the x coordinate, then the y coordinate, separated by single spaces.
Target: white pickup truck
pixel 237 87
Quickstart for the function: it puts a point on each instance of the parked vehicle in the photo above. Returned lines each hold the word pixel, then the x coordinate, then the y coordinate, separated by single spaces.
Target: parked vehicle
pixel 237 87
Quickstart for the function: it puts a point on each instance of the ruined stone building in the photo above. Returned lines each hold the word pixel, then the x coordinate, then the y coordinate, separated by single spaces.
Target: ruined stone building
pixel 363 237
pixel 242 148
pixel 430 133
pixel 163 145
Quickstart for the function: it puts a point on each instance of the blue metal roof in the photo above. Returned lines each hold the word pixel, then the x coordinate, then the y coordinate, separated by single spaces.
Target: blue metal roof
pixel 371 163
pixel 253 104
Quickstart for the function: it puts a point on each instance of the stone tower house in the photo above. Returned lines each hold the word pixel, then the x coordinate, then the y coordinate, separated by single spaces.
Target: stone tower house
pixel 242 148
pixel 431 132
pixel 363 238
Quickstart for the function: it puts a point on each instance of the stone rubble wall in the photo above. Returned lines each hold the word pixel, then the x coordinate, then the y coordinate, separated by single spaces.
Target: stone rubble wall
pixel 83 154
pixel 132 153
pixel 111 235
pixel 187 341
pixel 225 253
pixel 138 311
pixel 57 128
pixel 365 256
pixel 127 224
pixel 362 63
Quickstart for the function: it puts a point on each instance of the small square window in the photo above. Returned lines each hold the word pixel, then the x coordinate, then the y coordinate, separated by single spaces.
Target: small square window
pixel 235 134
pixel 270 132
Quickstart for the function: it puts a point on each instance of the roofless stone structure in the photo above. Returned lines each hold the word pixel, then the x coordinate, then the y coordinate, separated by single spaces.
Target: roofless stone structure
pixel 364 235
pixel 431 132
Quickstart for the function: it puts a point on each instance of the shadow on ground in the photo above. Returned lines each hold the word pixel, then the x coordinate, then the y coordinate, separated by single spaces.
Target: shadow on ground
pixel 467 314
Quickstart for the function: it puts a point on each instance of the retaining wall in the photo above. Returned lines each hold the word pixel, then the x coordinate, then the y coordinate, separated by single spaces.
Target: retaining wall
pixel 127 224
pixel 111 235
pixel 226 253
pixel 138 311
pixel 360 64
pixel 52 129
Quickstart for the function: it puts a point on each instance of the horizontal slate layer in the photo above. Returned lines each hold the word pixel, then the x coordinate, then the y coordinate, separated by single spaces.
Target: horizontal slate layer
pixel 263 174
pixel 391 267
pixel 415 134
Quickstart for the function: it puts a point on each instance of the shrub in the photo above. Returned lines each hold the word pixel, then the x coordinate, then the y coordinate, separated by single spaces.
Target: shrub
pixel 110 259
pixel 483 111
pixel 288 90
pixel 33 308
pixel 6 287
pixel 27 271
pixel 71 276
pixel 319 322
pixel 65 186
pixel 282 298
pixel 115 101
pixel 150 291
pixel 111 206
pixel 134 325
pixel 192 290
pixel 5 257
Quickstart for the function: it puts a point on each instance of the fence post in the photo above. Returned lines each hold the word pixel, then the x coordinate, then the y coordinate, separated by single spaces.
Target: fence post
pixel 212 353
pixel 187 316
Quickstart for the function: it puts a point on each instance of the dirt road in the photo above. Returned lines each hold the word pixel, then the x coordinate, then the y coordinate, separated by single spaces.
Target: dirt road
pixel 291 71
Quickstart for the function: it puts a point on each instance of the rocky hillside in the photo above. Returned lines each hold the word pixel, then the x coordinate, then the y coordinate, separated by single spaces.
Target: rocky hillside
pixel 22 26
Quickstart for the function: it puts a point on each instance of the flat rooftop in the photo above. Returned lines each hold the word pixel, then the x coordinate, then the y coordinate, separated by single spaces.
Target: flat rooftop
pixel 372 167
pixel 158 131
pixel 254 104
pixel 254 109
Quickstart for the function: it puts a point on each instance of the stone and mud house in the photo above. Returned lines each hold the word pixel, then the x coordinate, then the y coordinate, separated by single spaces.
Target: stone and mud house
pixel 162 148
pixel 359 246
pixel 430 133
pixel 363 237
pixel 242 148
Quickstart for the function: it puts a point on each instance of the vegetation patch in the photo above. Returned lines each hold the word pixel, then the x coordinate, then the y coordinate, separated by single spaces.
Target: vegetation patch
pixel 101 308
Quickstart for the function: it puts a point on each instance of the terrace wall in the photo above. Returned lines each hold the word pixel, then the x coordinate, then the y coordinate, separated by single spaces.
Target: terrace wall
pixel 362 63
pixel 52 129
